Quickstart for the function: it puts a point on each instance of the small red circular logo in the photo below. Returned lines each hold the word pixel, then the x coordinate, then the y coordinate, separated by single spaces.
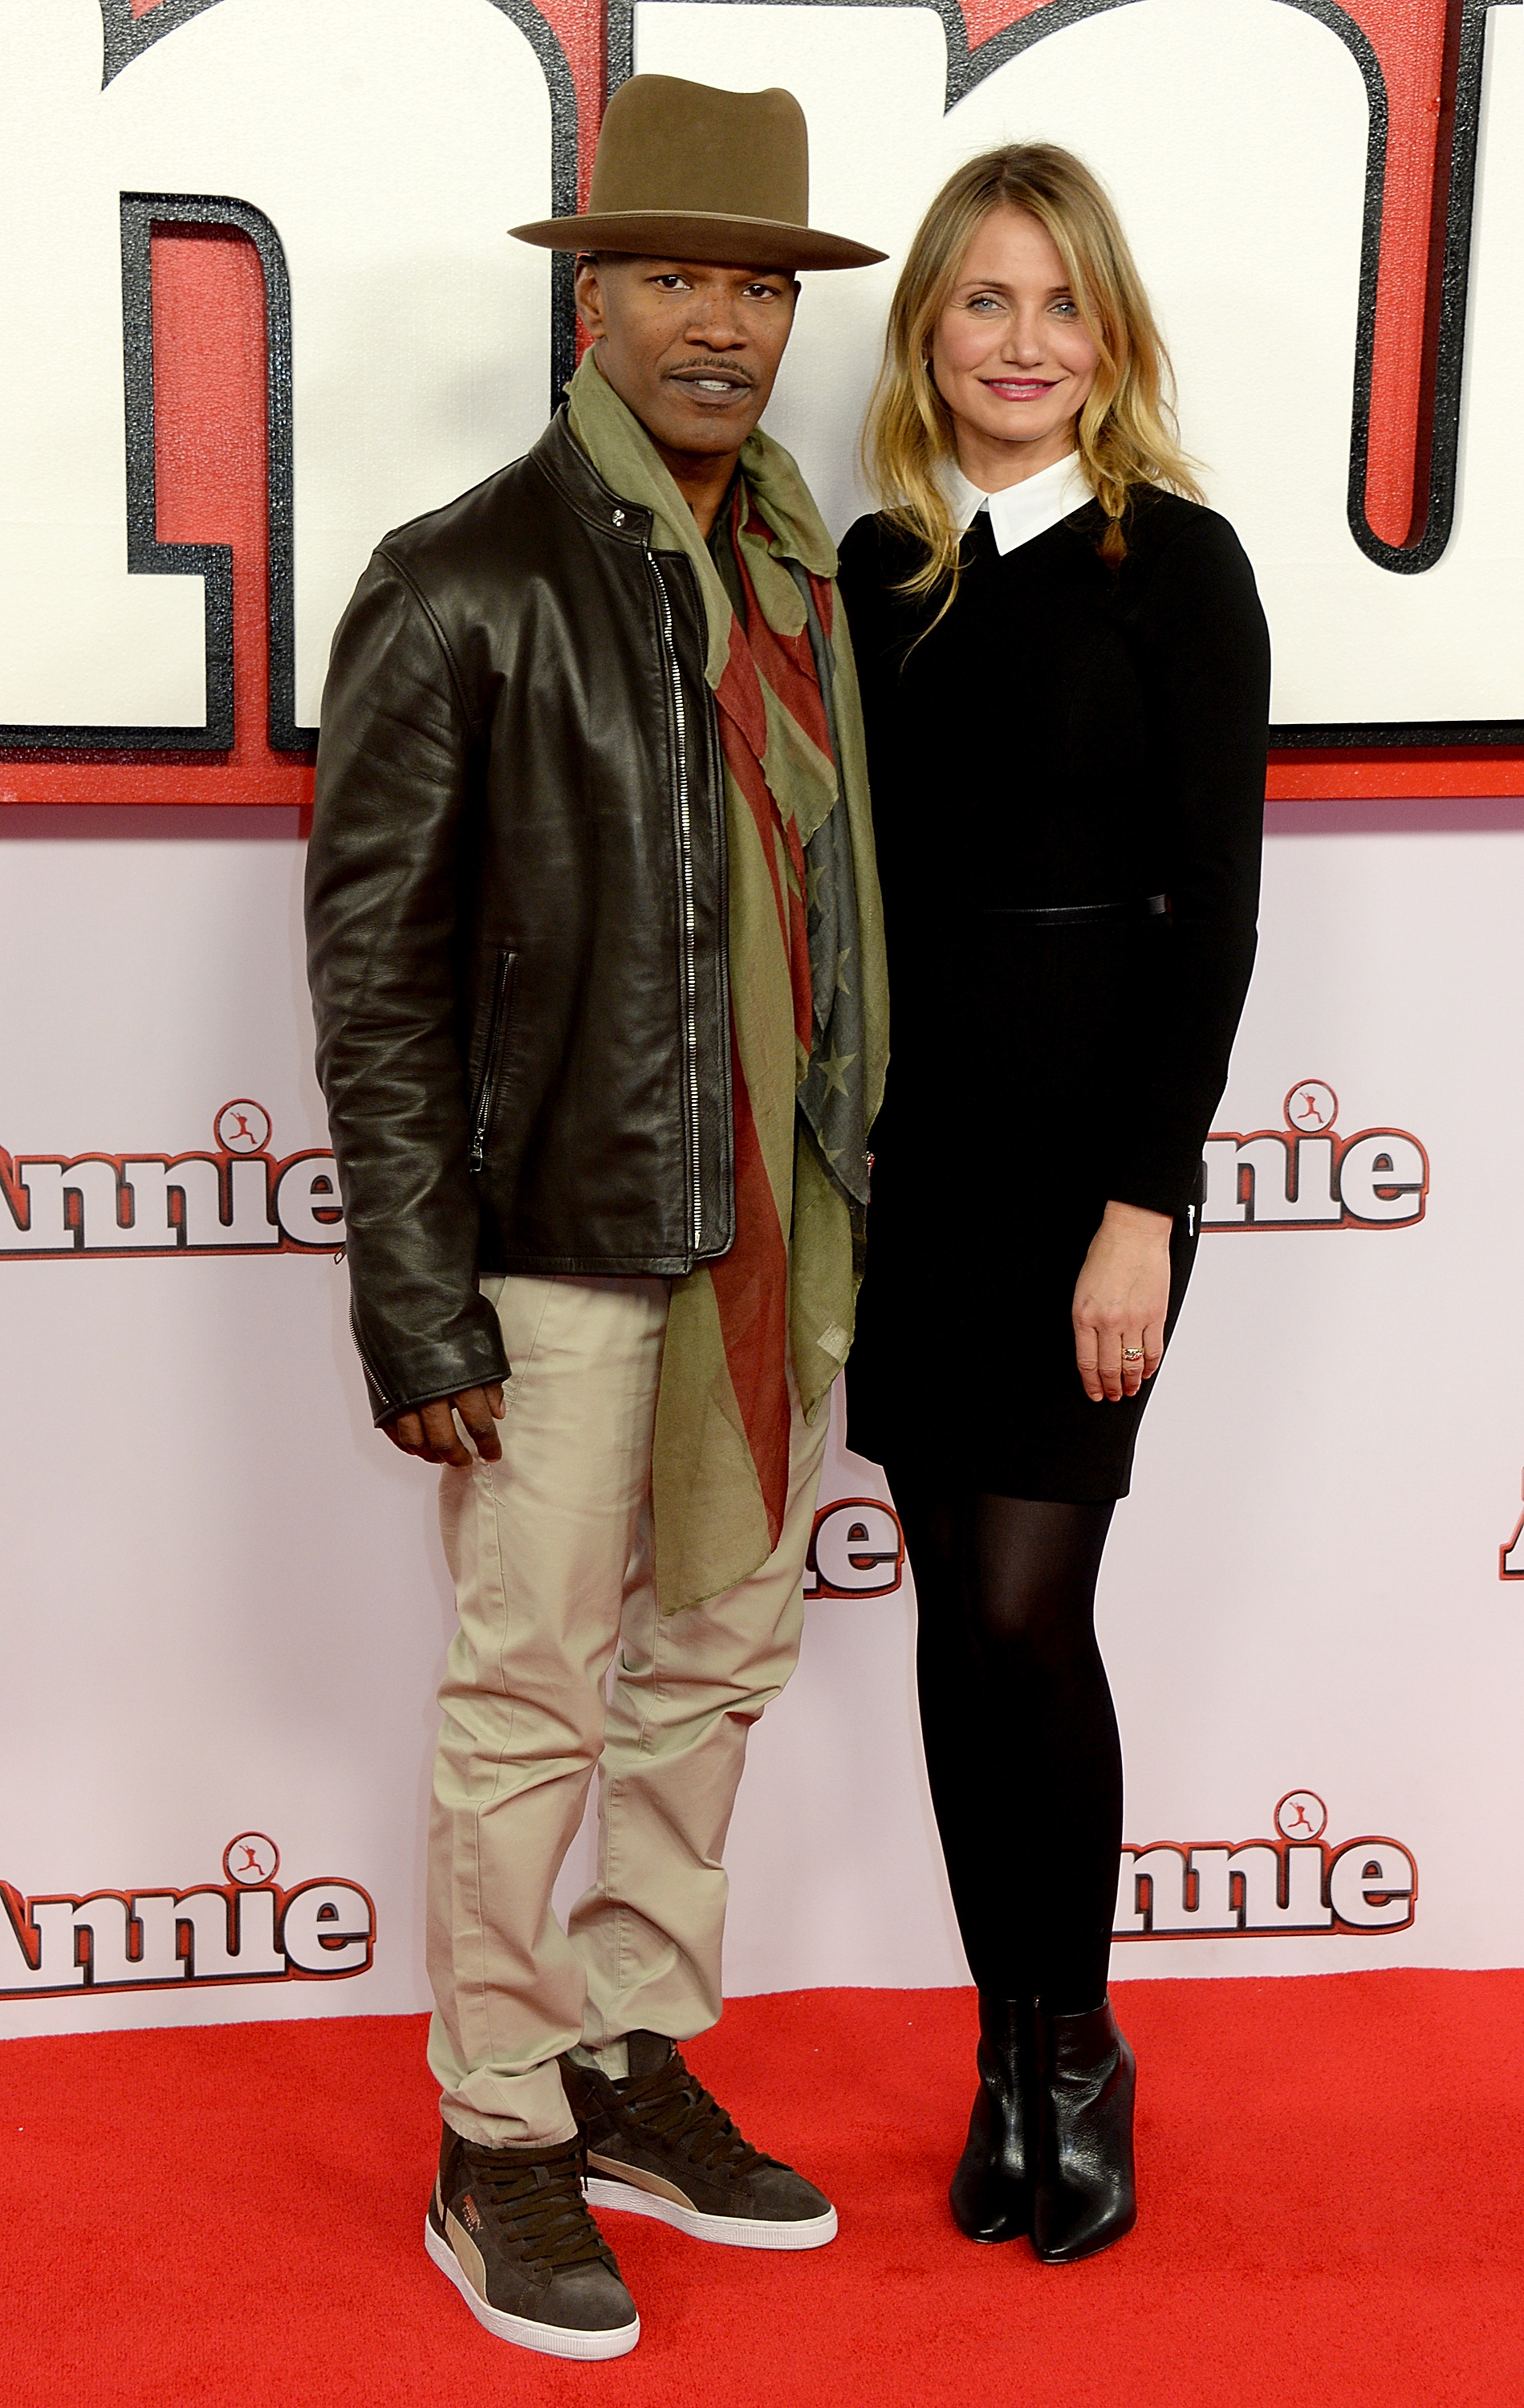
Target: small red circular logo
pixel 1312 1106
pixel 242 1127
pixel 250 1858
pixel 1301 1816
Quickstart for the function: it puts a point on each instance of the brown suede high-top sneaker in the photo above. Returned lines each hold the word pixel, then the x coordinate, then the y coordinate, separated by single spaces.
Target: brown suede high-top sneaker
pixel 659 2145
pixel 511 2230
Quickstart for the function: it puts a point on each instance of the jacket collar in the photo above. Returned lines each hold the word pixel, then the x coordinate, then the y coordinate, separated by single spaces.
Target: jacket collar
pixel 562 459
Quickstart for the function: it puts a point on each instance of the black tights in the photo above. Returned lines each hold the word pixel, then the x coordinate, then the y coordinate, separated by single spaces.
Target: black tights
pixel 1021 1742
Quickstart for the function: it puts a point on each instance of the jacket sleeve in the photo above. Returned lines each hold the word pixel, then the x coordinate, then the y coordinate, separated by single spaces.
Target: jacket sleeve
pixel 392 794
pixel 1205 654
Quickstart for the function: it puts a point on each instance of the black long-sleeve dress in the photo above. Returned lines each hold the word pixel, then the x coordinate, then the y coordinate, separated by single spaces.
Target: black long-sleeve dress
pixel 1071 733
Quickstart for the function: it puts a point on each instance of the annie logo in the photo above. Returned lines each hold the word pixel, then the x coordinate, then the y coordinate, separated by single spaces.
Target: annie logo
pixel 1306 1176
pixel 857 1550
pixel 246 1928
pixel 243 1200
pixel 1294 1885
pixel 1382 101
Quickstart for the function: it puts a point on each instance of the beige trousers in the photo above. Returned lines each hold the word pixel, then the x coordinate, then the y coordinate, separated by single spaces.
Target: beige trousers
pixel 550 1554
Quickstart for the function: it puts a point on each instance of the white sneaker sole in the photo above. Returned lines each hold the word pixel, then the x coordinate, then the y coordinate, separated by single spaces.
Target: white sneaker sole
pixel 730 2232
pixel 551 2341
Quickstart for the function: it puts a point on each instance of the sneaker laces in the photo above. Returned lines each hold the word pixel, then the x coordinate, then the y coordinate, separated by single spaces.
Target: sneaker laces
pixel 674 2105
pixel 541 2203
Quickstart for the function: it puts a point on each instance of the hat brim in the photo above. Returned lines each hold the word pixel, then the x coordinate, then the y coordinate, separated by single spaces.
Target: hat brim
pixel 718 242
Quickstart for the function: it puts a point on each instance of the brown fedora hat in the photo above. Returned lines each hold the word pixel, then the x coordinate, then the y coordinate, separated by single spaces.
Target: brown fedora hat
pixel 684 171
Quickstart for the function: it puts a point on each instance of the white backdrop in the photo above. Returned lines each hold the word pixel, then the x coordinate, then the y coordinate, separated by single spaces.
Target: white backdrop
pixel 224 1609
pixel 224 1605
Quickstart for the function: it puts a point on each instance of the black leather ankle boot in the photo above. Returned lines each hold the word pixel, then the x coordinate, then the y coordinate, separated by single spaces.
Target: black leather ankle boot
pixel 1083 2196
pixel 991 2194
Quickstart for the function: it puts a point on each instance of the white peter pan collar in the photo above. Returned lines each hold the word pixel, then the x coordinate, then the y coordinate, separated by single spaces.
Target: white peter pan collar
pixel 1018 512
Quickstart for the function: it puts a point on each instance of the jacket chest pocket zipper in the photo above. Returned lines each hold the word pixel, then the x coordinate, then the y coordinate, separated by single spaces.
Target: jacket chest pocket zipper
pixel 492 1060
pixel 689 917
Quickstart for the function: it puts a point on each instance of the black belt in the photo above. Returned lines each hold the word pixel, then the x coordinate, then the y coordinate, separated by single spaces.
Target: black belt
pixel 1077 915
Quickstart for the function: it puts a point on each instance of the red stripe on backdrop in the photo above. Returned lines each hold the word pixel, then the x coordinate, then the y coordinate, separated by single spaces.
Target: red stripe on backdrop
pixel 1332 2174
pixel 1461 770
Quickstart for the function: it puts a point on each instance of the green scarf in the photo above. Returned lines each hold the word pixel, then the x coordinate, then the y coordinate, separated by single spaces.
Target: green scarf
pixel 808 1005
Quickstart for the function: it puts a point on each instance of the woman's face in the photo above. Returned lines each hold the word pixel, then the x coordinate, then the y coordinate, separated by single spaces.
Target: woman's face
pixel 1010 355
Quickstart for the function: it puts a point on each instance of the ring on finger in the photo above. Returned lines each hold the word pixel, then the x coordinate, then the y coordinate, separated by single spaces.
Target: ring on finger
pixel 1131 1353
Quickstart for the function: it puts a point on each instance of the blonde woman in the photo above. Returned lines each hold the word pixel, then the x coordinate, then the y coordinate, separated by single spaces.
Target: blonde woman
pixel 1065 675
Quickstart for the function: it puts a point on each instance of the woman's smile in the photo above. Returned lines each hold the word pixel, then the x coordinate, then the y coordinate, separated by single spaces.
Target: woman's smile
pixel 1018 388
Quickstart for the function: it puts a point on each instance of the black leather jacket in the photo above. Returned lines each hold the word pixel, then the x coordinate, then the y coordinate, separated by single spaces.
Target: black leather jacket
pixel 515 916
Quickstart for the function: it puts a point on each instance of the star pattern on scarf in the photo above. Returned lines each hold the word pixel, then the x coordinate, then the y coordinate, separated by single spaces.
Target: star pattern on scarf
pixel 832 1067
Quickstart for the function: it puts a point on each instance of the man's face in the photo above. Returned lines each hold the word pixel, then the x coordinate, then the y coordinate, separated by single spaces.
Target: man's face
pixel 692 350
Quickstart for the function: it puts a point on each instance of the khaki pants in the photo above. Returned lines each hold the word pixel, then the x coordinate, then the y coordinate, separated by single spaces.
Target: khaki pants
pixel 550 1554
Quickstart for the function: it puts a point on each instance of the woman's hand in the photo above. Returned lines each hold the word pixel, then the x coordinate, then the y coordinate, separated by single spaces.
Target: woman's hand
pixel 1120 1300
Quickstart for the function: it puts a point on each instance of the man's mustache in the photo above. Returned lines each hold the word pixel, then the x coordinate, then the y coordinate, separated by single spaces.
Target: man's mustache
pixel 729 368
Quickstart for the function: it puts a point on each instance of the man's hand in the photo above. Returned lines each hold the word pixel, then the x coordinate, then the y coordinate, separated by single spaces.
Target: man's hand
pixel 1120 1300
pixel 430 1431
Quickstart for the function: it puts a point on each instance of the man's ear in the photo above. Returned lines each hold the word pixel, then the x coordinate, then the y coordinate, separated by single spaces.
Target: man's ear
pixel 590 297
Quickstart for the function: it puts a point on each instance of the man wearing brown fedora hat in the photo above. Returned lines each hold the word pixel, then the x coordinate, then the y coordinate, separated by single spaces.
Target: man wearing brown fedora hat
pixel 597 968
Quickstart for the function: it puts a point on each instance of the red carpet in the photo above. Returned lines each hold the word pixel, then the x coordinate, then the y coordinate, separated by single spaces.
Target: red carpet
pixel 1333 2184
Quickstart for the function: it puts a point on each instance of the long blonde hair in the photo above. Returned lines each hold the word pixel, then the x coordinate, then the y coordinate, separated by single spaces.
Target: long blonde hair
pixel 1126 433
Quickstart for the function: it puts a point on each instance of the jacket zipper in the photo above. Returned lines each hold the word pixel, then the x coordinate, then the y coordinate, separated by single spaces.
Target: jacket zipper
pixel 685 846
pixel 368 1362
pixel 481 1115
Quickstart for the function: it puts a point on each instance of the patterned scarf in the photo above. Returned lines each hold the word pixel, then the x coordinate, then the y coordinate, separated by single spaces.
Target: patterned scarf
pixel 810 1011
